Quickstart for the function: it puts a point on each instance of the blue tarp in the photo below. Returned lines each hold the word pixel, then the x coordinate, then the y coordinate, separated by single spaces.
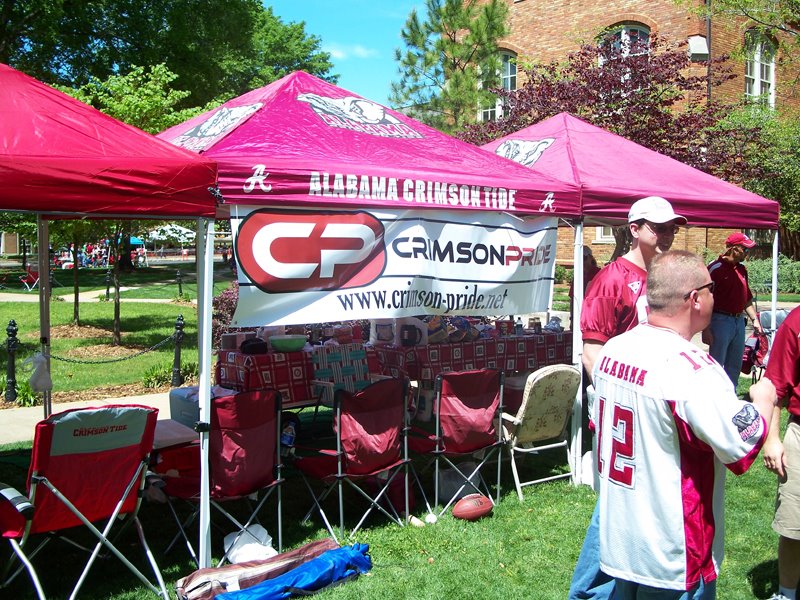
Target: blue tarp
pixel 329 567
pixel 135 241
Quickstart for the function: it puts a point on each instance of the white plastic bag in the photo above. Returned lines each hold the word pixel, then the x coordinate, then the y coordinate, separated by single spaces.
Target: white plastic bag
pixel 40 376
pixel 255 543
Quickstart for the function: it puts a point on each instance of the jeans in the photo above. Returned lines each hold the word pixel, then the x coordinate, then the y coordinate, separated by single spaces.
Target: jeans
pixel 588 581
pixel 627 590
pixel 728 345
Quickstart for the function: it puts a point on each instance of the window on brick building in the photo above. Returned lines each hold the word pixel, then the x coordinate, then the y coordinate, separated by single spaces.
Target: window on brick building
pixel 759 69
pixel 604 235
pixel 627 40
pixel 508 81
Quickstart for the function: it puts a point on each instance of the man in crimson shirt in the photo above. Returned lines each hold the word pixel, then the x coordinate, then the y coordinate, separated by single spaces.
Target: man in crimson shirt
pixel 733 302
pixel 615 303
pixel 783 370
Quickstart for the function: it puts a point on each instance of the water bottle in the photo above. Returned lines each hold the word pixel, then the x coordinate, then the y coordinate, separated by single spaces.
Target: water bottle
pixel 287 439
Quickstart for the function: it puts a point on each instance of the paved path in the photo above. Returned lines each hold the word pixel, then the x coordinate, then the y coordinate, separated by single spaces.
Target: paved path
pixel 18 424
pixel 92 296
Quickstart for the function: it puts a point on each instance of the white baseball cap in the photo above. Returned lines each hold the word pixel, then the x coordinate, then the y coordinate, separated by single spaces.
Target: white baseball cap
pixel 654 209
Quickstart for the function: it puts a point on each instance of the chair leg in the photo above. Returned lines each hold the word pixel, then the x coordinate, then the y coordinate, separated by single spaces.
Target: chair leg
pixel 516 473
pixel 31 571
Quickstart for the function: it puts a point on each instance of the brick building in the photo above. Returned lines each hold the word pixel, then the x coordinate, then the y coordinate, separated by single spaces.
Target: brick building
pixel 544 31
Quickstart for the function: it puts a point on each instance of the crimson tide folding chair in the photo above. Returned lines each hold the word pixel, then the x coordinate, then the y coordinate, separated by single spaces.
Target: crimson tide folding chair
pixel 467 407
pixel 541 421
pixel 371 452
pixel 244 463
pixel 30 280
pixel 88 466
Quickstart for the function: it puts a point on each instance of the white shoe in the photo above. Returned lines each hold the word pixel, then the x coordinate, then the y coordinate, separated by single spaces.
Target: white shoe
pixel 778 597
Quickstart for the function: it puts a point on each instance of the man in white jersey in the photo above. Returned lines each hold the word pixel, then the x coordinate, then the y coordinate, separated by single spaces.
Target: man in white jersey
pixel 669 424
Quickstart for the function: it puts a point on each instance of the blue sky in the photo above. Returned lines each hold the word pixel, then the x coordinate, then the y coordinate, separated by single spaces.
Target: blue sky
pixel 361 36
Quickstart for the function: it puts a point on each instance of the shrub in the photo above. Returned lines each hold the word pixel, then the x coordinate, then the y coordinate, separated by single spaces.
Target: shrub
pixel 223 305
pixel 563 274
pixel 760 275
pixel 25 395
pixel 161 375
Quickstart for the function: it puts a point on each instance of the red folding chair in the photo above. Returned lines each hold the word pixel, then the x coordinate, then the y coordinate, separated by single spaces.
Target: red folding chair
pixel 467 407
pixel 88 465
pixel 371 450
pixel 30 280
pixel 244 459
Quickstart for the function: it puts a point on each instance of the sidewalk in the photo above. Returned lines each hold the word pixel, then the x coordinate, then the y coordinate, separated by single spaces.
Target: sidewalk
pixel 19 423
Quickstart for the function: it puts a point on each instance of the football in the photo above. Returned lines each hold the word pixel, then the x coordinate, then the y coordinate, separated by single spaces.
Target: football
pixel 472 507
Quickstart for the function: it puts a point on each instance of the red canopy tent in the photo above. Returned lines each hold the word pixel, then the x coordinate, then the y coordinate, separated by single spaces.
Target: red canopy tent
pixel 301 141
pixel 59 155
pixel 614 172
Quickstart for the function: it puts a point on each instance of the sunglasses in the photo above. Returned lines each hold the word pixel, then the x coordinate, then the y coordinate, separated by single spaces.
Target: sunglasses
pixel 662 228
pixel 710 285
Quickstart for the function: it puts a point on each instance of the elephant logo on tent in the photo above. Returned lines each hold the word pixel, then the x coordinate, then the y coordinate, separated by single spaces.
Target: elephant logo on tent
pixel 358 114
pixel 523 151
pixel 219 124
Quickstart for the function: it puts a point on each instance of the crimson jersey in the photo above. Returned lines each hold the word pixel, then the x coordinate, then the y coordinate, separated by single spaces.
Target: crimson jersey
pixel 731 289
pixel 784 362
pixel 615 301
pixel 669 424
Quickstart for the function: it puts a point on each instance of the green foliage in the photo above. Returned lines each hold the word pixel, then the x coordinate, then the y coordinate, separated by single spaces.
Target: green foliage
pixel 451 61
pixel 563 274
pixel 25 395
pixel 759 273
pixel 160 375
pixel 142 98
pixel 217 48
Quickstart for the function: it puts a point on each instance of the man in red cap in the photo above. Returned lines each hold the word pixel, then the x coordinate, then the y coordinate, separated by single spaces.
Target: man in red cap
pixel 733 303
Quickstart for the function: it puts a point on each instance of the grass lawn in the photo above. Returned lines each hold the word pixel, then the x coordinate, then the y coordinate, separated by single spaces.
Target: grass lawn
pixel 523 550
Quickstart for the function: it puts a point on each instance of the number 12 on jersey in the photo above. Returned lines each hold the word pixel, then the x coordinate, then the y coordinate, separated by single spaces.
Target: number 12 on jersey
pixel 621 468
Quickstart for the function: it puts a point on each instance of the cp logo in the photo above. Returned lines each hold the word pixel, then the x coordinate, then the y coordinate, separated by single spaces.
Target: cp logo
pixel 300 251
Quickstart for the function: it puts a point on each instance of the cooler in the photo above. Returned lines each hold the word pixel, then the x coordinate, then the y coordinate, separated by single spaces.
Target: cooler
pixel 184 402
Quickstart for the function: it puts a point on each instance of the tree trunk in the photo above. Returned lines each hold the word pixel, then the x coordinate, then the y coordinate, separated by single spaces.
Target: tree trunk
pixel 76 310
pixel 116 339
pixel 622 237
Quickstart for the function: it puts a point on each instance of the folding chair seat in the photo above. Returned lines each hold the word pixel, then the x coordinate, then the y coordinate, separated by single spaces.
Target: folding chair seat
pixel 88 465
pixel 371 451
pixel 244 463
pixel 30 280
pixel 467 408
pixel 543 416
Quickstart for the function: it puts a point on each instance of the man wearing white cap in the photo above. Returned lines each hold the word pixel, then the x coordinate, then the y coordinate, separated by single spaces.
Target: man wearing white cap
pixel 615 303
pixel 733 302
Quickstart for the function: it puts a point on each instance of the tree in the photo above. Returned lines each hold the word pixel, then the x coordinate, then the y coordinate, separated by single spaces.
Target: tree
pixel 643 94
pixel 647 97
pixel 217 48
pixel 451 61
pixel 772 17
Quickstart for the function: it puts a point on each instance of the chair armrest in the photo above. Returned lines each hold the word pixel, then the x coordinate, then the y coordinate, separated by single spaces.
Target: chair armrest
pixel 17 500
pixel 511 418
pixel 373 377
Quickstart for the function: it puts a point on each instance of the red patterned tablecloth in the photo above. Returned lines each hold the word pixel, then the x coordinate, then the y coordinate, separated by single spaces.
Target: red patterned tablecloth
pixel 291 373
pixel 526 353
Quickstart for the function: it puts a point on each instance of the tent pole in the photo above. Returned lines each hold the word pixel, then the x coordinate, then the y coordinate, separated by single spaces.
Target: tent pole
pixel 774 325
pixel 43 266
pixel 576 447
pixel 205 285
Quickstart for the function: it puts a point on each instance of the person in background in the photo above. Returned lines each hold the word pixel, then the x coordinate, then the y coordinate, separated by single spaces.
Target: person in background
pixel 615 303
pixel 590 269
pixel 783 459
pixel 669 424
pixel 733 303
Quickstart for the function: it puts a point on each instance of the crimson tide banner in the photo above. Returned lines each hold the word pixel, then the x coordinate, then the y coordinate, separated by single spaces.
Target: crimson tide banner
pixel 300 266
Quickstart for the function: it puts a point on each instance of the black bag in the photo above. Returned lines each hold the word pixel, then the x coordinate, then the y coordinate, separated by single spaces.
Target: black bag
pixel 254 346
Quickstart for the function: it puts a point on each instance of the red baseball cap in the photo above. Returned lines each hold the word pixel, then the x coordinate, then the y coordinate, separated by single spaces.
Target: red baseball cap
pixel 739 239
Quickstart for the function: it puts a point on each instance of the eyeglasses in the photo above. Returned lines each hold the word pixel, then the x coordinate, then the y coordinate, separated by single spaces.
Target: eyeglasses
pixel 710 285
pixel 662 228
